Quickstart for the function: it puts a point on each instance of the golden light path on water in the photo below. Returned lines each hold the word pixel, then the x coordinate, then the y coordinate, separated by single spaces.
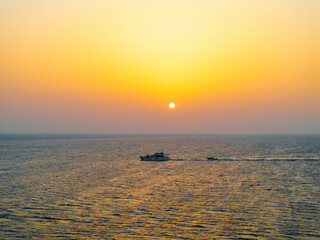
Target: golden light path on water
pixel 96 187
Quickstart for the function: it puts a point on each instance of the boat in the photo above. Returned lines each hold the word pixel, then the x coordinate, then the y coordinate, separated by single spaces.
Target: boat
pixel 212 158
pixel 158 156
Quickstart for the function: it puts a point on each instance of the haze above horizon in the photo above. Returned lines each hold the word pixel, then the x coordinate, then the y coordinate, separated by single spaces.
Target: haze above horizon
pixel 230 67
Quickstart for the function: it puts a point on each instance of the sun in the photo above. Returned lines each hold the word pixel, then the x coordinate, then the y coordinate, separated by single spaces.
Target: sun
pixel 172 105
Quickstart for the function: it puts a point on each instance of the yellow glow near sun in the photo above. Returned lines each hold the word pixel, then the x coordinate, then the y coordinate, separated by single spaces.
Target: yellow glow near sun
pixel 172 105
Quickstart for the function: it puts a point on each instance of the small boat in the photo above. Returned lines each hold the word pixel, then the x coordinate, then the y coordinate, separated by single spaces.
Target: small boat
pixel 158 156
pixel 212 158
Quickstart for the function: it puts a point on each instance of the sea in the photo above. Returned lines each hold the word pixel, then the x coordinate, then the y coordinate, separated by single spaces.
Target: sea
pixel 96 187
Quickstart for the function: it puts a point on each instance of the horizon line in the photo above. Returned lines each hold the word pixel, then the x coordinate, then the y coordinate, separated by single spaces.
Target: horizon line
pixel 159 134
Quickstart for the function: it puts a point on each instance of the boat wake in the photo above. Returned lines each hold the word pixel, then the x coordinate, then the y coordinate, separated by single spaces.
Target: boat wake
pixel 247 159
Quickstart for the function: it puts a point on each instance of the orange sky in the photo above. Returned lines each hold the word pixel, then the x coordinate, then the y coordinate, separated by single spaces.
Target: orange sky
pixel 114 66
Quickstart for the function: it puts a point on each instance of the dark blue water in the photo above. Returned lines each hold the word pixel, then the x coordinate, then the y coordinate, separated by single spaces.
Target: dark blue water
pixel 95 187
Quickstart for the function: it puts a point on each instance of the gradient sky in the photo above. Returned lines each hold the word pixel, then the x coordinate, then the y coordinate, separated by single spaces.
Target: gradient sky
pixel 113 66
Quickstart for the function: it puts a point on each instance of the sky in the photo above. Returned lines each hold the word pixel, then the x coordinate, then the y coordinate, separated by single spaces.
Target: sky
pixel 230 66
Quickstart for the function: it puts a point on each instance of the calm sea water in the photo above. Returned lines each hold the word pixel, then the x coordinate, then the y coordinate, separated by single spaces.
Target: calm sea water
pixel 95 187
